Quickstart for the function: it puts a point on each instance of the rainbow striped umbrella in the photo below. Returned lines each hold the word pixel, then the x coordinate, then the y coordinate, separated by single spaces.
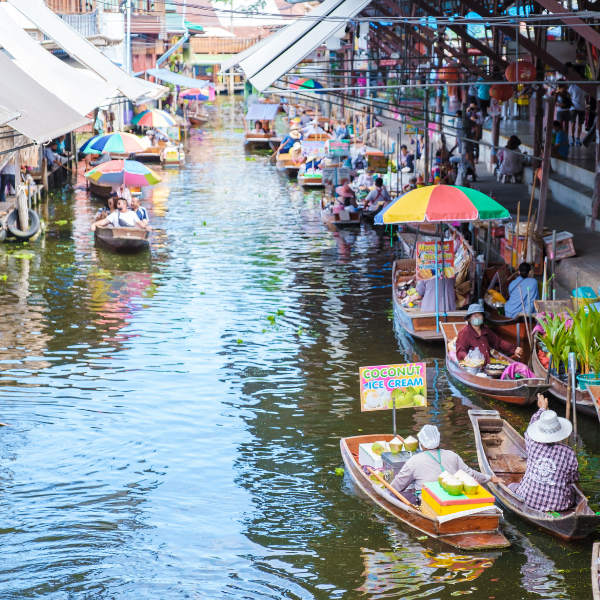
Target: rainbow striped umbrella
pixel 117 143
pixel 194 94
pixel 128 172
pixel 441 204
pixel 88 142
pixel 302 83
pixel 153 118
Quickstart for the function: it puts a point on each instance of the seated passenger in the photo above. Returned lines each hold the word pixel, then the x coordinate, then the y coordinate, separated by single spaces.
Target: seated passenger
pixel 344 194
pixel 122 217
pixel 365 180
pixel 426 466
pixel 111 206
pixel 258 127
pixel 552 468
pixel 378 194
pixel 529 291
pixel 140 211
pixel 289 140
pixel 478 335
pixel 426 293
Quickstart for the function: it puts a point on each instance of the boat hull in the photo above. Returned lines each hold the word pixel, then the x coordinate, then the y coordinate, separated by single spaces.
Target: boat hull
pixel 122 239
pixel 99 190
pixel 472 532
pixel 336 225
pixel 570 525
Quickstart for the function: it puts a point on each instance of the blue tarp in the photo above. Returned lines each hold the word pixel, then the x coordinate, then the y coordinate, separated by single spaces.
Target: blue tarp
pixel 176 79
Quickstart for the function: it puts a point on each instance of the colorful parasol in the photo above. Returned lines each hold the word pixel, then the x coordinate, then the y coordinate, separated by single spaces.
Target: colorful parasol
pixel 88 142
pixel 441 204
pixel 194 94
pixel 117 143
pixel 128 172
pixel 153 118
pixel 305 84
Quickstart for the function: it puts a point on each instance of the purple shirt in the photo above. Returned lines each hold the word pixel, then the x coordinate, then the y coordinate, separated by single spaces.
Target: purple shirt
pixel 551 472
pixel 426 289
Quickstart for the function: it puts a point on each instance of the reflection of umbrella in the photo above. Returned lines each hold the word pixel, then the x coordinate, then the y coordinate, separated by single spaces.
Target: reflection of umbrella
pixel 305 84
pixel 441 203
pixel 194 94
pixel 153 118
pixel 117 143
pixel 128 172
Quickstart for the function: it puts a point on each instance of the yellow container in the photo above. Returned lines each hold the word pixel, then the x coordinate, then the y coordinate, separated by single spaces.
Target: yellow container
pixel 443 503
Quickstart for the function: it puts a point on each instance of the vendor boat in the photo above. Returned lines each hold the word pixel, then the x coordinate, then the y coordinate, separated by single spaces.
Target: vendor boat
pixel 198 117
pixel 152 153
pixel 501 451
pixel 470 532
pixel 419 324
pixel 310 180
pixel 518 391
pixel 285 164
pixel 172 156
pixel 340 220
pixel 595 575
pixel 122 239
pixel 99 190
pixel 513 330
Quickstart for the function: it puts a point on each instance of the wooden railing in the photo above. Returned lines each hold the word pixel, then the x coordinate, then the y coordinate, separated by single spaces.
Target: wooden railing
pixel 215 45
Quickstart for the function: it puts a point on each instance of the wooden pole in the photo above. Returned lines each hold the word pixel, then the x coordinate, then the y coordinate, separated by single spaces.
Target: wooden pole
pixel 389 487
pixel 515 239
pixel 495 141
pixel 596 193
pixel 529 213
pixel 541 217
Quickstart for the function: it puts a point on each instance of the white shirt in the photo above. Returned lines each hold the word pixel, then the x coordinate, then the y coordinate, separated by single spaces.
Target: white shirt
pixel 125 193
pixel 366 180
pixel 577 97
pixel 128 217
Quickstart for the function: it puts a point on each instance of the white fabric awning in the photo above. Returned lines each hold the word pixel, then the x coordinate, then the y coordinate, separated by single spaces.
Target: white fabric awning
pixel 274 60
pixel 72 86
pixel 80 49
pixel 177 79
pixel 7 115
pixel 43 115
pixel 235 60
pixel 260 111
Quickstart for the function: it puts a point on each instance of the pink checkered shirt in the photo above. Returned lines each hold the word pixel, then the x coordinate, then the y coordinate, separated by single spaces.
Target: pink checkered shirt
pixel 551 472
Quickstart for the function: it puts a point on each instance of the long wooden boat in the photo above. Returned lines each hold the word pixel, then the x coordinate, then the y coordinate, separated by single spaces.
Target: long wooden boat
pixel 315 181
pixel 285 163
pixel 501 451
pixel 254 139
pixel 558 388
pixel 513 330
pixel 199 117
pixel 594 394
pixel 99 190
pixel 151 154
pixel 595 575
pixel 470 532
pixel 122 239
pixel 519 391
pixel 336 221
pixel 420 324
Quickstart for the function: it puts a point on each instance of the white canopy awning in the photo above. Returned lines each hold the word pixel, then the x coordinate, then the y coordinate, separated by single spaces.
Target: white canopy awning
pixel 275 59
pixel 7 115
pixel 237 58
pixel 43 115
pixel 80 91
pixel 261 111
pixel 177 79
pixel 82 50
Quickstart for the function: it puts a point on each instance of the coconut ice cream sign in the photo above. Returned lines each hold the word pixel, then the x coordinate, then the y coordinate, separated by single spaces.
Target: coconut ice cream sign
pixel 401 385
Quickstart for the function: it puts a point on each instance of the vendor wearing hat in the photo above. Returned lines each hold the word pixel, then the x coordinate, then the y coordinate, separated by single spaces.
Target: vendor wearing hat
pixel 296 154
pixel 426 466
pixel 552 468
pixel 345 199
pixel 289 140
pixel 478 335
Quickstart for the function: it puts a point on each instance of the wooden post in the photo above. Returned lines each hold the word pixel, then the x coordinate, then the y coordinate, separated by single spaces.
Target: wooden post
pixel 495 141
pixel 539 227
pixel 45 174
pixel 596 193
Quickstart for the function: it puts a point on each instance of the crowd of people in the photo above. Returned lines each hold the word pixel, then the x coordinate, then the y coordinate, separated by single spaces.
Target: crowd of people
pixel 122 209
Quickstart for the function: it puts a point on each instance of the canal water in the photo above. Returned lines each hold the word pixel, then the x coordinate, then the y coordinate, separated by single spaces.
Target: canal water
pixel 174 418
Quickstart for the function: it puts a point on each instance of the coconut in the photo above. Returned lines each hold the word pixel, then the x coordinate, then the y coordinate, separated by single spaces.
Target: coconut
pixel 395 445
pixel 460 475
pixel 419 400
pixel 471 487
pixel 454 486
pixel 411 444
pixel 443 478
pixel 378 448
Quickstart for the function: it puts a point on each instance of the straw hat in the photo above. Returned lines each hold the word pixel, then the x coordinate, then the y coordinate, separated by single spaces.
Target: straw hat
pixel 295 134
pixel 549 428
pixel 344 190
pixel 297 147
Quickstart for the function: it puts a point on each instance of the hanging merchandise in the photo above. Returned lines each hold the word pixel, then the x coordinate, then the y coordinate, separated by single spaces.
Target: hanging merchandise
pixel 525 70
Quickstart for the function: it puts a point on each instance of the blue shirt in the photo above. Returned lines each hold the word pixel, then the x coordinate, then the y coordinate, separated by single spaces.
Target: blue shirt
pixel 288 142
pixel 562 140
pixel 483 92
pixel 514 306
pixel 141 213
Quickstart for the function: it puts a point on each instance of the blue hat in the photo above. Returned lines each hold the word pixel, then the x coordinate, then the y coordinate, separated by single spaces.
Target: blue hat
pixel 474 309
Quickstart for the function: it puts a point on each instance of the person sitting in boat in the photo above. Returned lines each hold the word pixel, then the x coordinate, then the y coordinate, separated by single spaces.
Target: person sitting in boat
pixel 296 154
pixel 427 465
pixel 139 210
pixel 289 140
pixel 124 192
pixel 122 217
pixel 426 294
pixel 304 118
pixel 552 468
pixel 523 291
pixel 378 194
pixel 365 180
pixel 313 128
pixel 478 335
pixel 341 131
pixel 411 185
pixel 111 207
pixel 345 197
pixel 258 127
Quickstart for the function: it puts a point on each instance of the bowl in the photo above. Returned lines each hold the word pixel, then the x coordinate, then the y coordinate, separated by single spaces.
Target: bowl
pixel 472 370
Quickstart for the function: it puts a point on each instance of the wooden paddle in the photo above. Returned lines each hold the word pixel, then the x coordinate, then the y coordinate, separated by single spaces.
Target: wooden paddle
pixel 389 487
pixel 270 159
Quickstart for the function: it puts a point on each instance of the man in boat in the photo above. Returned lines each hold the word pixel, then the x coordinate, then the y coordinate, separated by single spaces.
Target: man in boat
pixel 552 468
pixel 140 211
pixel 427 465
pixel 122 217
pixel 523 291
pixel 478 335
pixel 289 140
pixel 312 128
pixel 378 194
pixel 304 119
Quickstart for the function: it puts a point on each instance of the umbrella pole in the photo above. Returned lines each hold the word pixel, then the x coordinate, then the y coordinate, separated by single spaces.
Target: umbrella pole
pixel 414 253
pixel 443 275
pixel 437 299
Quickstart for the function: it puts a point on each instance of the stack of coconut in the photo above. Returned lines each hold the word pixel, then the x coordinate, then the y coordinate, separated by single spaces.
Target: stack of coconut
pixel 459 483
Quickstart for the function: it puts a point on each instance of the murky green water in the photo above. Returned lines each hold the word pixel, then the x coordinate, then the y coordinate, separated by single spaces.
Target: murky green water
pixel 175 418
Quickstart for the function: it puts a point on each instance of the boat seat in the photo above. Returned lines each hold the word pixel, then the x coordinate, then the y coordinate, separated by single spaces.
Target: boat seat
pixel 508 463
pixel 344 215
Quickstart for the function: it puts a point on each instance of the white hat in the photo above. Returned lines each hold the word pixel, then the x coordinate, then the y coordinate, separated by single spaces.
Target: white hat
pixel 429 437
pixel 549 428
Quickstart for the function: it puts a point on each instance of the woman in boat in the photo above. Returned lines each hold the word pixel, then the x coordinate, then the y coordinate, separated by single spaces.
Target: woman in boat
pixel 478 335
pixel 259 128
pixel 426 293
pixel 345 197
pixel 427 465
pixel 111 207
pixel 552 468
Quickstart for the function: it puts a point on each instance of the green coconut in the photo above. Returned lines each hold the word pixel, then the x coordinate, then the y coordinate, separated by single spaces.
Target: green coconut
pixel 420 400
pixel 454 486
pixel 443 477
pixel 395 445
pixel 470 489
pixel 378 448
pixel 441 480
pixel 411 444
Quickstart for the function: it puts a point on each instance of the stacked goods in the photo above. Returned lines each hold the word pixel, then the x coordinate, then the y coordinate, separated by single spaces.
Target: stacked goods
pixel 405 281
pixel 411 444
pixel 470 486
pixel 395 445
pixel 437 501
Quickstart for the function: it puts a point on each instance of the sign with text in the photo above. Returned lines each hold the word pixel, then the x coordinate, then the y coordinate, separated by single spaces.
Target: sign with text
pixel 382 387
pixel 378 163
pixel 334 176
pixel 426 259
pixel 337 147
pixel 313 148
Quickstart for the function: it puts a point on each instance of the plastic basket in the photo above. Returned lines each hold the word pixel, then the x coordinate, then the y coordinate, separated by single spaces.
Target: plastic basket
pixel 583 380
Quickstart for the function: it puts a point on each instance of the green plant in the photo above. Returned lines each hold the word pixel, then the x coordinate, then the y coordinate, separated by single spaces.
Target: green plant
pixel 556 337
pixel 585 333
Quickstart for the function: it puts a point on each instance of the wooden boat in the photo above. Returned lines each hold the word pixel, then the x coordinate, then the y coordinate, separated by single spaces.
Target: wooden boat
pixel 420 324
pixel 595 576
pixel 198 117
pixel 285 163
pixel 99 190
pixel 341 220
pixel 520 391
pixel 501 451
pixel 252 138
pixel 275 142
pixel 151 154
pixel 172 156
pixel 312 181
pixel 369 215
pixel 470 532
pixel 558 388
pixel 122 239
pixel 594 392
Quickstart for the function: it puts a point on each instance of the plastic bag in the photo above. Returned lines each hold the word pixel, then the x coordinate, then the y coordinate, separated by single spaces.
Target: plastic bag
pixel 474 358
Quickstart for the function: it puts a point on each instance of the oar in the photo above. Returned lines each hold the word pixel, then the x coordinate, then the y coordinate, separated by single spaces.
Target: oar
pixel 389 487
pixel 270 159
